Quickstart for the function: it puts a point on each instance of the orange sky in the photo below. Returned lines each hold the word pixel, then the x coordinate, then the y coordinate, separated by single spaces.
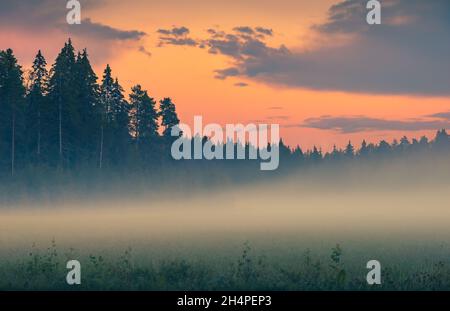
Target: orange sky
pixel 187 74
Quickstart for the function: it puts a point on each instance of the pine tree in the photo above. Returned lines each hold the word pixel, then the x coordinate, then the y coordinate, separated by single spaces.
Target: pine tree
pixel 383 147
pixel 442 141
pixel 120 109
pixel 12 94
pixel 169 116
pixel 87 130
pixel 423 143
pixel 115 135
pixel 144 117
pixel 106 99
pixel 121 116
pixel 298 153
pixel 62 103
pixel 316 155
pixel 106 94
pixel 404 143
pixel 364 151
pixel 336 153
pixel 37 92
pixel 4 138
pixel 284 152
pixel 349 150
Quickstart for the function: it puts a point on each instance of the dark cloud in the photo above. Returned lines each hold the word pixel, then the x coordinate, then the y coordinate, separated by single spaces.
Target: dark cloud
pixel 251 55
pixel 216 33
pixel 38 16
pixel 176 36
pixel 229 46
pixel 344 16
pixel 250 32
pixel 143 50
pixel 441 115
pixel 87 28
pixel 241 84
pixel 222 74
pixel 406 54
pixel 264 31
pixel 354 124
pixel 176 41
pixel 244 29
pixel 175 31
pixel 243 41
pixel 243 47
pixel 45 20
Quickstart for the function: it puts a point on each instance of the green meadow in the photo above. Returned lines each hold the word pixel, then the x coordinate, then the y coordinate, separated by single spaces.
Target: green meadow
pixel 232 267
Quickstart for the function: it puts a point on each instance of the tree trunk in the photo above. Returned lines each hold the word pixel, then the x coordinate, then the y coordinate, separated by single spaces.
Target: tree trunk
pixel 60 135
pixel 13 144
pixel 101 147
pixel 60 123
pixel 39 135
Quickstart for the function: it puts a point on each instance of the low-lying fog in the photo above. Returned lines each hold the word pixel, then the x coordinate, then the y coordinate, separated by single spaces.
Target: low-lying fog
pixel 404 202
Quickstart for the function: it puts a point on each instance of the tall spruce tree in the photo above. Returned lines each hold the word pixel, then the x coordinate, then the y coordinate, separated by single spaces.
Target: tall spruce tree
pixel 315 155
pixel 106 102
pixel 144 117
pixel 36 100
pixel 364 150
pixel 115 136
pixel 62 115
pixel 349 150
pixel 12 94
pixel 168 115
pixel 4 139
pixel 86 130
pixel 441 141
pixel 121 116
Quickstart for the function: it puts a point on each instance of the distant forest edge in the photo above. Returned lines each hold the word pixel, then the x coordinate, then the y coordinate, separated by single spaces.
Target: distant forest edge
pixel 64 120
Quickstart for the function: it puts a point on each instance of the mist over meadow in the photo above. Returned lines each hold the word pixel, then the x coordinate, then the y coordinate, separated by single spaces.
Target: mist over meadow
pixel 313 227
pixel 405 198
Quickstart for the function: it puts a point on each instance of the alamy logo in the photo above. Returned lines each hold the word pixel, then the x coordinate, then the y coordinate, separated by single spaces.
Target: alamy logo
pixel 374 275
pixel 74 275
pixel 374 15
pixel 259 143
pixel 74 15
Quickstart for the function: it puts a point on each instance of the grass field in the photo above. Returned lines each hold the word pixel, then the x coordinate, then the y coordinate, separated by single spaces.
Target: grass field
pixel 416 266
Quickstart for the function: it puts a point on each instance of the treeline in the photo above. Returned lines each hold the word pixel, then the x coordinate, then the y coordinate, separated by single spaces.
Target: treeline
pixel 64 118
pixel 382 150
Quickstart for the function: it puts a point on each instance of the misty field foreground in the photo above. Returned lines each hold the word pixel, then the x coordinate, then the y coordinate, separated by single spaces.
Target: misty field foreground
pixel 313 230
